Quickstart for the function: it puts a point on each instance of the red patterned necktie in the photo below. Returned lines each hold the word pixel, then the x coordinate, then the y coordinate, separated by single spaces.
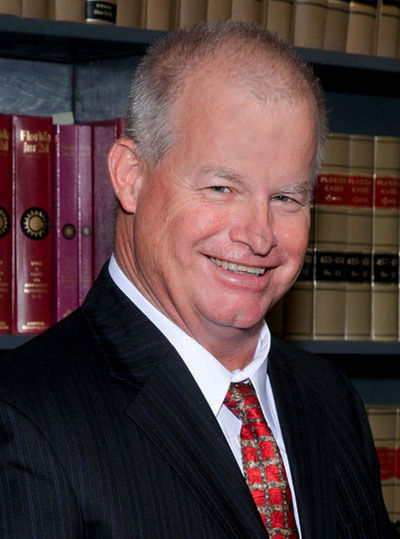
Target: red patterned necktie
pixel 262 462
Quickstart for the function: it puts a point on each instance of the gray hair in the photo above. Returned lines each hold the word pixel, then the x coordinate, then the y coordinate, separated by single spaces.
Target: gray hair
pixel 271 66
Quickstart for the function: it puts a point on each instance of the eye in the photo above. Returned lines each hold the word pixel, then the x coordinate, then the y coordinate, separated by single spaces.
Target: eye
pixel 220 189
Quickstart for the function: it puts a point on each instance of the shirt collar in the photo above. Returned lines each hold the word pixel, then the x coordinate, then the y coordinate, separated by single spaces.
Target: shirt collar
pixel 211 376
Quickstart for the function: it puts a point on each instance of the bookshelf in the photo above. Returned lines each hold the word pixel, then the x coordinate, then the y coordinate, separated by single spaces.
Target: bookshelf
pixel 49 67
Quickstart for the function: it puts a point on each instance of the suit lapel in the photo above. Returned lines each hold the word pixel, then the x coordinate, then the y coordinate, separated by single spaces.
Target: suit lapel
pixel 306 443
pixel 170 409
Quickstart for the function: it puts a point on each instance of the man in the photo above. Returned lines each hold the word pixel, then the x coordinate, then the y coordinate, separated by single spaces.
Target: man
pixel 131 417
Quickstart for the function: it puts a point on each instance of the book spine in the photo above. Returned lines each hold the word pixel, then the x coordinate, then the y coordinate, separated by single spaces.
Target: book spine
pixel 101 11
pixel 359 239
pixel 385 239
pixel 329 286
pixel 85 211
pixel 298 307
pixel 129 13
pixel 65 10
pixel 388 28
pixel 186 13
pixel 35 9
pixel 157 14
pixel 384 423
pixel 5 223
pixel 279 18
pixel 361 27
pixel 104 204
pixel 11 7
pixel 65 211
pixel 218 10
pixel 32 177
pixel 247 10
pixel 309 23
pixel 337 20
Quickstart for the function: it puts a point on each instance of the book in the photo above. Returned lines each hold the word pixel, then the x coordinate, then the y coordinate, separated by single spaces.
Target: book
pixel 309 23
pixel 359 238
pixel 85 210
pixel 156 14
pixel 329 294
pixel 129 13
pixel 384 421
pixel 65 218
pixel 35 9
pixel 299 301
pixel 5 222
pixel 388 28
pixel 32 147
pixel 11 7
pixel 186 13
pixel 337 19
pixel 385 240
pixel 104 134
pixel 361 27
pixel 218 10
pixel 248 10
pixel 279 18
pixel 101 11
pixel 66 10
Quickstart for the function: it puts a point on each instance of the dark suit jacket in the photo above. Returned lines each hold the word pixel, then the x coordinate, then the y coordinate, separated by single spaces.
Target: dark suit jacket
pixel 104 433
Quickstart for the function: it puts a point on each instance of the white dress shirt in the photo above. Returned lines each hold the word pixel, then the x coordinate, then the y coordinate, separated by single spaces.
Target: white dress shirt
pixel 211 376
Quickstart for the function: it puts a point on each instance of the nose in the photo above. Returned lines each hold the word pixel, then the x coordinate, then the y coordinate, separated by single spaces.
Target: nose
pixel 253 226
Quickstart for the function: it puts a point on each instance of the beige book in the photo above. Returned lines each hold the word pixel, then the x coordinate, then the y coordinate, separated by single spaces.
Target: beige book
pixel 359 238
pixel 279 18
pixel 129 13
pixel 384 421
pixel 218 10
pixel 388 28
pixel 101 11
pixel 385 239
pixel 11 7
pixel 156 14
pixel 309 23
pixel 298 309
pixel 34 9
pixel 330 240
pixel 66 10
pixel 248 10
pixel 361 28
pixel 188 12
pixel 337 20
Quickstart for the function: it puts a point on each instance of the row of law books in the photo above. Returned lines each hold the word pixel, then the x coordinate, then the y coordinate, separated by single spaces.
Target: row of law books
pixel 57 212
pixel 349 285
pixel 384 421
pixel 369 27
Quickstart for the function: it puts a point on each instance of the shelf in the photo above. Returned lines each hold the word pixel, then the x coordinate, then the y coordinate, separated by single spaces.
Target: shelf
pixel 350 347
pixel 316 347
pixel 69 42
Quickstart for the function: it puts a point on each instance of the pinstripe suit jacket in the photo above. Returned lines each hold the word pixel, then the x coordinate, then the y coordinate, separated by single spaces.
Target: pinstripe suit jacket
pixel 105 434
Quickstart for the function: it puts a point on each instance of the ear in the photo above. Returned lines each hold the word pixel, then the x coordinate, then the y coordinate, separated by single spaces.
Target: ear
pixel 125 172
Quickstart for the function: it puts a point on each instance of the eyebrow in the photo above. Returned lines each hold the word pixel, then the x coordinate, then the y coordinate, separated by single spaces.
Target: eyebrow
pixel 221 172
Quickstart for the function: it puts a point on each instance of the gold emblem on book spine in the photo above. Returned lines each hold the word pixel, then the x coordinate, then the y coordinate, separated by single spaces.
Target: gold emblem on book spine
pixel 35 223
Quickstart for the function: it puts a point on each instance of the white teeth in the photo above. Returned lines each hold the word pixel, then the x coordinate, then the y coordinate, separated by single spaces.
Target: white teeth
pixel 238 268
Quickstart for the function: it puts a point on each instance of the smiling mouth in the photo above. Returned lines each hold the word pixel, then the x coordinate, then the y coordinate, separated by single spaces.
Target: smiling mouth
pixel 239 268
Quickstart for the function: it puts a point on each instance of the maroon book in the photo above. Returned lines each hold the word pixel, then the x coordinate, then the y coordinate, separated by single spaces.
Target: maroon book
pixel 32 261
pixel 105 133
pixel 5 223
pixel 65 230
pixel 85 211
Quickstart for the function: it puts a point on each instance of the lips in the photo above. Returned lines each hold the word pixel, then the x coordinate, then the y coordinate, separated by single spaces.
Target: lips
pixel 239 268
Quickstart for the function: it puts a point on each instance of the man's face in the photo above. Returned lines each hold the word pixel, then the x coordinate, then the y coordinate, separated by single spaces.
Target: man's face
pixel 221 224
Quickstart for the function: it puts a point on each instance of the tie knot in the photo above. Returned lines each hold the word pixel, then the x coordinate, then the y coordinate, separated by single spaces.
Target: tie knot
pixel 242 400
